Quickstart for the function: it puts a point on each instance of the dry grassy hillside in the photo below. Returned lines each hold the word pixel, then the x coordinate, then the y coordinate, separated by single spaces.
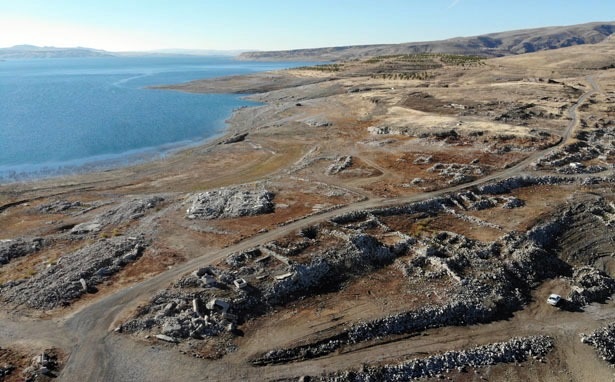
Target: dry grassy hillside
pixel 492 45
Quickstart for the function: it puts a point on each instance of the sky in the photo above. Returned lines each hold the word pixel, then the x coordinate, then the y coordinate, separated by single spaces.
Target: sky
pixel 138 25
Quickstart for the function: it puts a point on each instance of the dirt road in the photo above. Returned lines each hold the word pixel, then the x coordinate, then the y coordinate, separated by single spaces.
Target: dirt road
pixel 97 354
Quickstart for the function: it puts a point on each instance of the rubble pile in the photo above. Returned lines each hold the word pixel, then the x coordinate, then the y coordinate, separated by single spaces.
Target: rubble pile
pixel 183 315
pixel 458 173
pixel 593 143
pixel 362 254
pixel 451 254
pixel 511 202
pixel 484 281
pixel 43 367
pixel 230 202
pixel 493 279
pixel 580 248
pixel 269 285
pixel 130 210
pixel 12 249
pixel 590 285
pixel 339 165
pixel 423 159
pixel 507 185
pixel 74 274
pixel 603 340
pixel 469 200
pixel 518 349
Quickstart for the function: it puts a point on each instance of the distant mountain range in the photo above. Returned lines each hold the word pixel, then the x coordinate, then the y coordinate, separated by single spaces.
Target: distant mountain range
pixel 31 51
pixel 492 45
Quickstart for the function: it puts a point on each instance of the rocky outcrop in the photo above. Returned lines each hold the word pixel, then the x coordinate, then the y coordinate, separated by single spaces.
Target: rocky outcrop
pixel 126 212
pixel 59 206
pixel 129 210
pixel 240 137
pixel 230 202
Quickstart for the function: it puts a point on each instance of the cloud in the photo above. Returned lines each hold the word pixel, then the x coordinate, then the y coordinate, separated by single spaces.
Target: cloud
pixel 453 3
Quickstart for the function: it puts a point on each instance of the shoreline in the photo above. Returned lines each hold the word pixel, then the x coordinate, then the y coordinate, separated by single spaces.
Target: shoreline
pixel 30 173
pixel 387 193
pixel 111 162
pixel 247 86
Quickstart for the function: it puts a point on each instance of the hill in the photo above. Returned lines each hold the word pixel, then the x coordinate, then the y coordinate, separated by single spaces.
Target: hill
pixel 31 51
pixel 491 45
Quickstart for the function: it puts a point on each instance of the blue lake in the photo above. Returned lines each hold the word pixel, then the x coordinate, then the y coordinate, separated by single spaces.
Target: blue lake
pixel 64 115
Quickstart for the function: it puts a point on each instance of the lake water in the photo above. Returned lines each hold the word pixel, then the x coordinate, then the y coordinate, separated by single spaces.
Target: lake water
pixel 66 115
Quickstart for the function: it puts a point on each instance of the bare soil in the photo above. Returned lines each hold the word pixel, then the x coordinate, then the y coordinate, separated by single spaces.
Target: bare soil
pixel 483 123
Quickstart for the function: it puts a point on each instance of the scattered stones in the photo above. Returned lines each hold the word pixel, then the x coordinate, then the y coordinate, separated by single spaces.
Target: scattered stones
pixel 521 113
pixel 597 142
pixel 230 202
pixel 379 130
pixel 6 370
pixel 130 210
pixel 43 367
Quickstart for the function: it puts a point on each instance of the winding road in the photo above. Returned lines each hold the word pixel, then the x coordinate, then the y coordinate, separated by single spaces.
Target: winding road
pixel 96 353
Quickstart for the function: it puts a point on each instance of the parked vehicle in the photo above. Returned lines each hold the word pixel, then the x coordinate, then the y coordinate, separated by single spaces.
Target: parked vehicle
pixel 554 299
